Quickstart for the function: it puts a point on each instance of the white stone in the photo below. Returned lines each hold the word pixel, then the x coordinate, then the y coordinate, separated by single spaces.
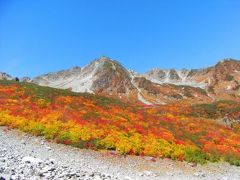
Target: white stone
pixel 32 160
pixel 5 176
pixel 49 148
pixel 148 173
pixel 128 178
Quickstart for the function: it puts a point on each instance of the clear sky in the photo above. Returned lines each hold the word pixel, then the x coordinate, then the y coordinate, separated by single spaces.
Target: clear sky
pixel 40 36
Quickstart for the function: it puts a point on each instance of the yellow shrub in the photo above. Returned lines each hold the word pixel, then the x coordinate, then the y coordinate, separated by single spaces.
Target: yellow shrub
pixel 162 148
pixel 109 142
pixel 77 133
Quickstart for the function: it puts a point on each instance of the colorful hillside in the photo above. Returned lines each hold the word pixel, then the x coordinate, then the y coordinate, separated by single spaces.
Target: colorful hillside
pixel 181 132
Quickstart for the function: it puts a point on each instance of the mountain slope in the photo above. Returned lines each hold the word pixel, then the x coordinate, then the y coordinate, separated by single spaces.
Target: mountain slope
pixel 98 77
pixel 108 77
pixel 91 121
pixel 220 81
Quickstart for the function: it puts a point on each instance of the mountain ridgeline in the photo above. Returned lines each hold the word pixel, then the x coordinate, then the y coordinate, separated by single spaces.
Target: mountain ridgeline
pixel 108 77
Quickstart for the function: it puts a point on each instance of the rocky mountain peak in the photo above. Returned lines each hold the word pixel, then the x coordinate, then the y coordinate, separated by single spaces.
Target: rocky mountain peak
pixel 171 76
pixel 5 76
pixel 103 59
pixel 228 65
pixel 108 77
pixel 100 75
pixel 25 79
pixel 76 68
pixel 111 77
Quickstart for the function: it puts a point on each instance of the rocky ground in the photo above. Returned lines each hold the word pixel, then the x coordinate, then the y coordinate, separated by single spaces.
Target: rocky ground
pixel 27 157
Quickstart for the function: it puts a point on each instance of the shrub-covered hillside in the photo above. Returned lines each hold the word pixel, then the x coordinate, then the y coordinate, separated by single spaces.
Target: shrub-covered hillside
pixel 89 121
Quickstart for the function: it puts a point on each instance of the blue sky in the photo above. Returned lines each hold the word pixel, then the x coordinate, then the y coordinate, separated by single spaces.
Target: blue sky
pixel 42 36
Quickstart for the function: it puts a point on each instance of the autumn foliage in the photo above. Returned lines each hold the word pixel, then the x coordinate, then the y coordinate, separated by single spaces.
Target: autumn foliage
pixel 180 132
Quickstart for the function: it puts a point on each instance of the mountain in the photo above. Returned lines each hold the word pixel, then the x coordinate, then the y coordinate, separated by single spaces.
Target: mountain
pixel 102 76
pixel 158 86
pixel 25 79
pixel 196 77
pixel 5 76
pixel 220 81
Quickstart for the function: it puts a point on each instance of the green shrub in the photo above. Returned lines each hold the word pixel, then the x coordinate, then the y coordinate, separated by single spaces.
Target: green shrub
pixel 214 157
pixel 37 129
pixel 195 155
pixel 232 160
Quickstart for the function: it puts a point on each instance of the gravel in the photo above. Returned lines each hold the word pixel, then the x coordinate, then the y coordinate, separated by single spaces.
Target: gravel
pixel 23 156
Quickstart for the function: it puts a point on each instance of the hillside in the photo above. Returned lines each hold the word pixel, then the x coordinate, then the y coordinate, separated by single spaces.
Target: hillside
pixel 84 120
pixel 108 77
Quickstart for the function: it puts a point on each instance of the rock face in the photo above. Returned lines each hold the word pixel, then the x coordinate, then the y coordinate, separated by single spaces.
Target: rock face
pixel 73 78
pixel 168 93
pixel 112 78
pixel 5 76
pixel 172 76
pixel 25 79
pixel 158 86
pixel 101 76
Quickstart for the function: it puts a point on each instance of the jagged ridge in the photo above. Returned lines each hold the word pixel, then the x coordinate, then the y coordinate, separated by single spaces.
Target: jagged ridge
pixel 158 86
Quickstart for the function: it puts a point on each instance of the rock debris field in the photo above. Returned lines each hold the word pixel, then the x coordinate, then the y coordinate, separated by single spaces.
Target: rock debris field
pixel 23 156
